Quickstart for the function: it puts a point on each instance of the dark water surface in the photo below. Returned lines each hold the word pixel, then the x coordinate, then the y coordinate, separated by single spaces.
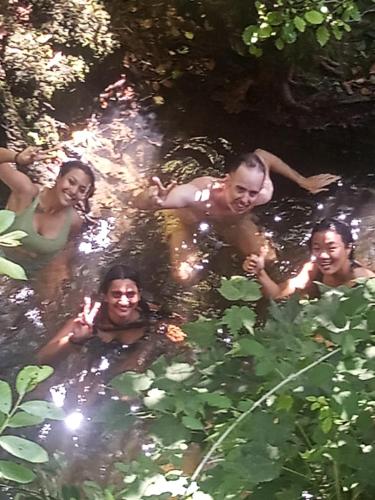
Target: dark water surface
pixel 184 139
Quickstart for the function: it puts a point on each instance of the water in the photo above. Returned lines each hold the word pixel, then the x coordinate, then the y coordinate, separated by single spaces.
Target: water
pixel 127 145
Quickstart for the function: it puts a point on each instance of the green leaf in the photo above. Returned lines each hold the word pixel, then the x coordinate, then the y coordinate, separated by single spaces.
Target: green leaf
pixel 12 239
pixel 322 35
pixel 23 448
pixel 279 44
pixel 23 419
pixel 43 409
pixel 179 372
pixel 11 269
pixel 31 376
pixel 314 17
pixel 5 397
pixel 248 347
pixel 275 18
pixel 284 402
pixel 265 32
pixel 288 33
pixel 202 332
pixel 157 399
pixel 216 400
pixel 239 287
pixel 237 317
pixel 169 430
pixel 326 425
pixel 6 219
pixel 299 23
pixel 15 472
pixel 247 34
pixel 132 383
pixel 347 344
pixel 192 423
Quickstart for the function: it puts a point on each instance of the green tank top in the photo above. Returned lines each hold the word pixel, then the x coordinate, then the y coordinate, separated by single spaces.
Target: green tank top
pixel 35 242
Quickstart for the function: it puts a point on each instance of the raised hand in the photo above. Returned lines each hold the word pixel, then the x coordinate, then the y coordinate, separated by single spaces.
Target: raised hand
pixel 34 153
pixel 83 324
pixel 254 263
pixel 158 192
pixel 317 183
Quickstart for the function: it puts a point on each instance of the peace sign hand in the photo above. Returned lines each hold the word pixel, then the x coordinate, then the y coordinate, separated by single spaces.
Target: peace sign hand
pixel 33 153
pixel 158 192
pixel 83 324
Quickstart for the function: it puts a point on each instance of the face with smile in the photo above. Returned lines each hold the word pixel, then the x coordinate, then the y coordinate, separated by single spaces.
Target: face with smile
pixel 72 187
pixel 242 187
pixel 330 252
pixel 122 300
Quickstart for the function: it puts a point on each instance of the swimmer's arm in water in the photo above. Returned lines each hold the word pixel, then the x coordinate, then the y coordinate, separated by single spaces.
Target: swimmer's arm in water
pixel 59 347
pixel 158 196
pixel 314 184
pixel 255 264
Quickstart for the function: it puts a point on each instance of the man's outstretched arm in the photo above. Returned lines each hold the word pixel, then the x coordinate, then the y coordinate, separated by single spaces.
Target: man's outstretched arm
pixel 314 184
pixel 157 196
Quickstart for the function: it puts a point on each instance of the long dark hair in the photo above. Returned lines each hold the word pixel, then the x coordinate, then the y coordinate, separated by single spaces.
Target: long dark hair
pixel 67 166
pixel 340 228
pixel 123 272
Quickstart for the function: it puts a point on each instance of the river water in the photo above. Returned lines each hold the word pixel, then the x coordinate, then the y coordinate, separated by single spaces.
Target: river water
pixel 126 144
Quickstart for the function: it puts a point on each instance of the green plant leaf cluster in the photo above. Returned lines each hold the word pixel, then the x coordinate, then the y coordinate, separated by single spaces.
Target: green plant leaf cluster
pixel 286 407
pixel 285 22
pixel 16 414
pixel 12 239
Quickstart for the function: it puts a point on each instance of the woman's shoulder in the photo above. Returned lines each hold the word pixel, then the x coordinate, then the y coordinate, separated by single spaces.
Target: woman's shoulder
pixel 363 272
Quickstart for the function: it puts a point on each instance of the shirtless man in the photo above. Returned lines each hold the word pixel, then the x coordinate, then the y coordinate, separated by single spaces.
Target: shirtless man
pixel 224 202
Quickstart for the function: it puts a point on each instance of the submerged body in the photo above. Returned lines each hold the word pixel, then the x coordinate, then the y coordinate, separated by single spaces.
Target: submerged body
pixel 332 263
pixel 49 217
pixel 225 202
pixel 121 324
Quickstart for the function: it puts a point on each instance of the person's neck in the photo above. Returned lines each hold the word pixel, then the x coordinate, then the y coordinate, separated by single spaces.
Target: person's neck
pixel 342 276
pixel 48 201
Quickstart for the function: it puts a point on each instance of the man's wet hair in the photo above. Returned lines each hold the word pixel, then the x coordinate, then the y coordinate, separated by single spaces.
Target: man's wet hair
pixel 338 227
pixel 250 160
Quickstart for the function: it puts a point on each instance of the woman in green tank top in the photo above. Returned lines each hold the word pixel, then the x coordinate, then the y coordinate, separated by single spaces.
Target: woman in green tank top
pixel 48 216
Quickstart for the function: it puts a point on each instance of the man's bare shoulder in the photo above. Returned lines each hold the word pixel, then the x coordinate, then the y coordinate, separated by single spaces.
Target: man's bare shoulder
pixel 203 182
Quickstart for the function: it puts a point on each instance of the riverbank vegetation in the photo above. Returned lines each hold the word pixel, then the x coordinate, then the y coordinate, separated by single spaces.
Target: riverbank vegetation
pixel 55 57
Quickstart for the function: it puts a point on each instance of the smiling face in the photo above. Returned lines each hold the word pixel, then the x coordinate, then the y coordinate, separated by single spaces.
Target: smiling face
pixel 72 187
pixel 242 187
pixel 330 252
pixel 122 300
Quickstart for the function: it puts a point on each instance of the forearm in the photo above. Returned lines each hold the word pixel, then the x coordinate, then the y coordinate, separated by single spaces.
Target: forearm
pixel 278 166
pixel 144 201
pixel 270 289
pixel 7 155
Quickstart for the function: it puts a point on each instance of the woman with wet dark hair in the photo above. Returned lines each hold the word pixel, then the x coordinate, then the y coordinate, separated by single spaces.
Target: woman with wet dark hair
pixel 332 263
pixel 112 326
pixel 48 216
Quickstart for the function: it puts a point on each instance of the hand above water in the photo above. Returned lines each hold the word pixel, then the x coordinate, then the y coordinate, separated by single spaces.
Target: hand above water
pixel 158 192
pixel 317 183
pixel 254 263
pixel 33 153
pixel 83 324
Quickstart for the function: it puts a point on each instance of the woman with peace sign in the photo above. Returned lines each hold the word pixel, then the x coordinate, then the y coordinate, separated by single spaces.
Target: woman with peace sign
pixel 48 216
pixel 113 327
